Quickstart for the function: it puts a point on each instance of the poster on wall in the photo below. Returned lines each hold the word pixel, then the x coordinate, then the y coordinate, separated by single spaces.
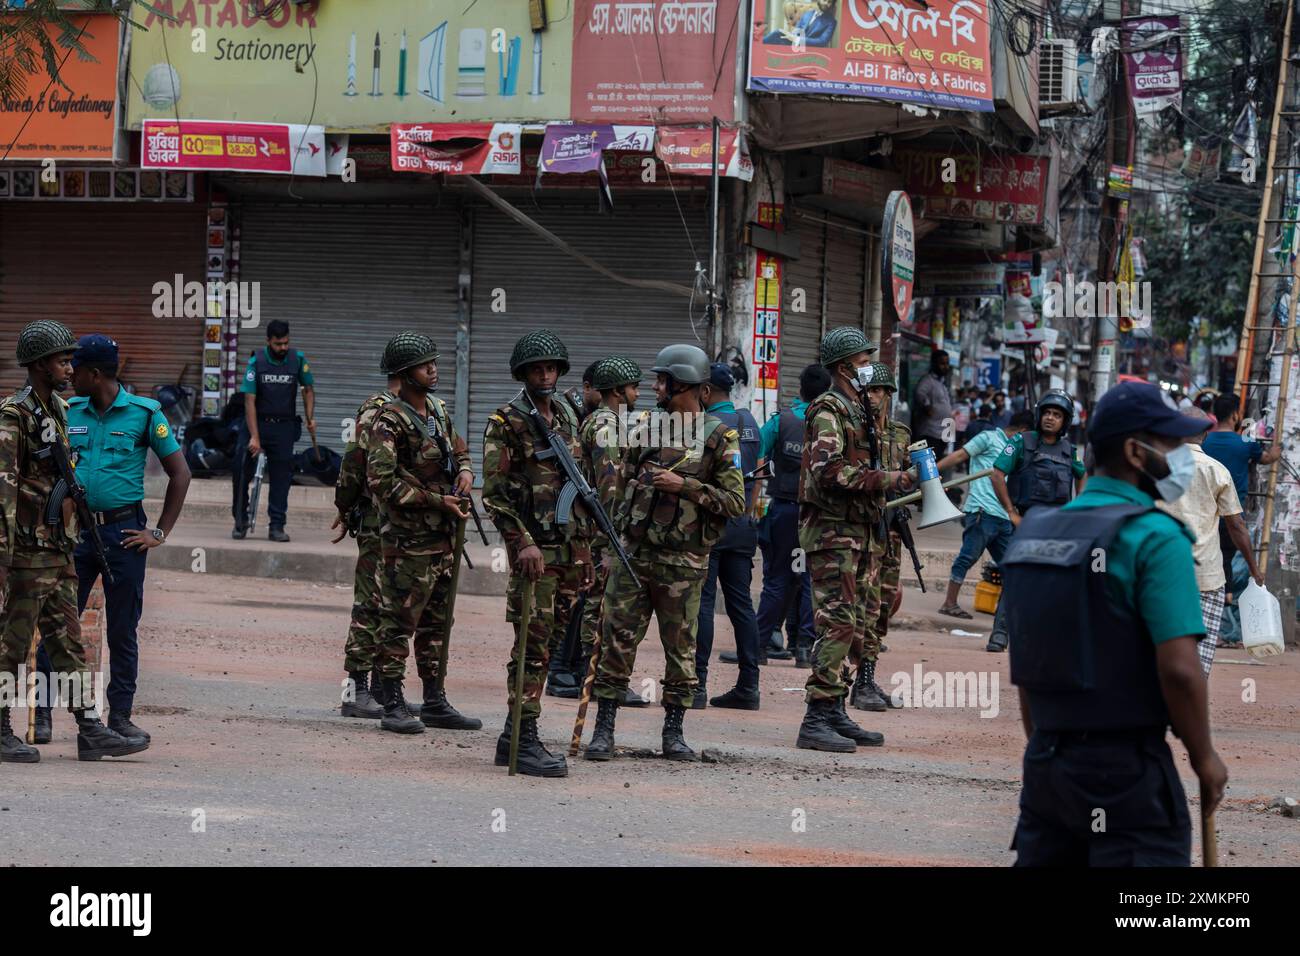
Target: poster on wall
pixel 934 54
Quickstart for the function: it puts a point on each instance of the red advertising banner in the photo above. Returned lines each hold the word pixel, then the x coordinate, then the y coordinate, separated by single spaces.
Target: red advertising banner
pixel 935 53
pixel 690 152
pixel 239 147
pixel 461 149
pixel 654 61
pixel 1011 187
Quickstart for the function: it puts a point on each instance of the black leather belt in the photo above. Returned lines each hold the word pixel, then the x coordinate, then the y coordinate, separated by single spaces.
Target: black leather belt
pixel 276 419
pixel 124 513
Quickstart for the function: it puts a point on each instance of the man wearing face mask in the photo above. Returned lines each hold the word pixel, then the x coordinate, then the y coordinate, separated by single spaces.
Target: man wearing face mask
pixel 1101 594
pixel 842 490
pixel 1036 468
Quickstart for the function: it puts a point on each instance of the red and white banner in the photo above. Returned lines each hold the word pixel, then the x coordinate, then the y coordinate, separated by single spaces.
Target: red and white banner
pixel 460 149
pixel 689 152
pixel 237 147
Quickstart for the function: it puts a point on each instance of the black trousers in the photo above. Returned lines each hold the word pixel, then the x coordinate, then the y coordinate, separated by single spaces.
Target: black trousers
pixel 277 440
pixel 733 570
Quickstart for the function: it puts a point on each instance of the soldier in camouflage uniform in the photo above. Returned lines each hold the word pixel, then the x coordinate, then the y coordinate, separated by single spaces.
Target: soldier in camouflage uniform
pixel 38 579
pixel 866 694
pixel 616 380
pixel 359 515
pixel 673 507
pixel 418 473
pixel 521 491
pixel 842 488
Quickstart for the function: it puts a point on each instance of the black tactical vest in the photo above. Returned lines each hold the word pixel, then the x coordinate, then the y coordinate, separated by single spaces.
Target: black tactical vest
pixel 1084 663
pixel 787 457
pixel 277 385
pixel 740 534
pixel 1045 475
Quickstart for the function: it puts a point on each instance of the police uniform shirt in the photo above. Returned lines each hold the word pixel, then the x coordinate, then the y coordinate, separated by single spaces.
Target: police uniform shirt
pixel 1013 456
pixel 249 384
pixel 111 448
pixel 1149 565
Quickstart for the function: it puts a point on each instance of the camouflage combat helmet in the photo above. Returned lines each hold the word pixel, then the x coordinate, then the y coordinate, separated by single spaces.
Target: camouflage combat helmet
pixel 880 375
pixel 843 342
pixel 407 349
pixel 685 363
pixel 539 345
pixel 615 371
pixel 41 338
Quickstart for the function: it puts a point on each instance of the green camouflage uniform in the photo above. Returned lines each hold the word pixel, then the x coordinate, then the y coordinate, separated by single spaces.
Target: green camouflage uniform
pixel 352 498
pixel 669 537
pixel 889 554
pixel 42 590
pixel 407 472
pixel 600 440
pixel 520 493
pixel 841 505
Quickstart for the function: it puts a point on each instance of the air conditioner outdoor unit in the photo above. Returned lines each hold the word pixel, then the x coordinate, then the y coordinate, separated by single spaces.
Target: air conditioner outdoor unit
pixel 1058 75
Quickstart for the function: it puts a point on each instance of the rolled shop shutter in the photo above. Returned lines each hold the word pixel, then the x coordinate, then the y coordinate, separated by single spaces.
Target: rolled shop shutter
pixel 846 286
pixel 542 287
pixel 801 332
pixel 93 267
pixel 347 278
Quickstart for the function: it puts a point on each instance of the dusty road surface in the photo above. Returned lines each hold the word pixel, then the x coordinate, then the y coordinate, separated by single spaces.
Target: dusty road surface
pixel 251 763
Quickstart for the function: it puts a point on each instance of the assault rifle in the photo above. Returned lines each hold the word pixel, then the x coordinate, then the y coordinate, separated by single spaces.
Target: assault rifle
pixel 68 486
pixel 259 475
pixel 576 486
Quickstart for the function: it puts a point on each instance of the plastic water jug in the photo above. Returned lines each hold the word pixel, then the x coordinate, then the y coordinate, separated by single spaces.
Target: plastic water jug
pixel 1261 621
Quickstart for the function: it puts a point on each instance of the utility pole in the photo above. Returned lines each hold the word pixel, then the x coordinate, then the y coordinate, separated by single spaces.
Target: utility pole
pixel 1120 141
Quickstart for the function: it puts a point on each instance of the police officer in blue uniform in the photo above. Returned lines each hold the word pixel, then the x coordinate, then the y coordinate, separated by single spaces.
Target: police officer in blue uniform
pixel 1036 468
pixel 270 389
pixel 731 563
pixel 110 433
pixel 1101 594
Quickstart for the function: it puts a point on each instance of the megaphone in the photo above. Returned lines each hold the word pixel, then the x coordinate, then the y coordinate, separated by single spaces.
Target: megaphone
pixel 935 506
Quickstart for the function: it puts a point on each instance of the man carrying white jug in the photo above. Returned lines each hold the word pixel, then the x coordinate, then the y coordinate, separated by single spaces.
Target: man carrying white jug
pixel 1211 496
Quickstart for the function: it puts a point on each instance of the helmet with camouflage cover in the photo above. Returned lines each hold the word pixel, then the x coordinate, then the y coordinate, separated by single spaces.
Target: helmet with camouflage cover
pixel 405 350
pixel 615 371
pixel 879 374
pixel 539 345
pixel 42 338
pixel 843 342
pixel 685 363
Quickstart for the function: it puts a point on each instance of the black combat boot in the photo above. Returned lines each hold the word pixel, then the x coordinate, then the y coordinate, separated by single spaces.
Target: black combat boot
pixel 120 723
pixel 674 742
pixel 802 656
pixel 701 699
pixel 94 740
pixel 632 699
pixel 377 686
pixel 883 694
pixel 438 712
pixel 44 725
pixel 736 699
pixel 534 759
pixel 12 749
pixel 816 732
pixel 602 738
pixel 363 703
pixel 560 684
pixel 838 720
pixel 864 696
pixel 397 716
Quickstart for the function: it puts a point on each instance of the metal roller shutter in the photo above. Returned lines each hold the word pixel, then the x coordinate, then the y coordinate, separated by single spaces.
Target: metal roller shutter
pixel 846 251
pixel 346 278
pixel 93 266
pixel 593 316
pixel 801 332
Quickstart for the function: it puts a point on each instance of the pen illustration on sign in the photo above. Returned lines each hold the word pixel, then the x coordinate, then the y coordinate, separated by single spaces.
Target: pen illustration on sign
pixel 471 63
pixel 432 57
pixel 352 67
pixel 508 68
pixel 374 78
pixel 401 68
pixel 537 64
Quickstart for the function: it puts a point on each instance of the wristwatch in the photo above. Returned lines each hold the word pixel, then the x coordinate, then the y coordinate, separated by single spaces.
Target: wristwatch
pixel 159 535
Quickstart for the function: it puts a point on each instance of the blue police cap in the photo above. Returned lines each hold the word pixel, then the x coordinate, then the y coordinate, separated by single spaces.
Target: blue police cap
pixel 1140 407
pixel 720 376
pixel 95 349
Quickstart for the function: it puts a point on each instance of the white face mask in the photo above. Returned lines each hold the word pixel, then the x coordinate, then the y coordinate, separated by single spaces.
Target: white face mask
pixel 1182 466
pixel 864 378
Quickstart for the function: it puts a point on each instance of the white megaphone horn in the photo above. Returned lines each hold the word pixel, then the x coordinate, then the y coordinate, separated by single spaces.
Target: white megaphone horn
pixel 935 506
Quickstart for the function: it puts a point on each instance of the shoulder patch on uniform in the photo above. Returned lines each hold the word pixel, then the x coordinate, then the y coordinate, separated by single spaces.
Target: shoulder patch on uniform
pixel 494 417
pixel 1009 450
pixel 162 431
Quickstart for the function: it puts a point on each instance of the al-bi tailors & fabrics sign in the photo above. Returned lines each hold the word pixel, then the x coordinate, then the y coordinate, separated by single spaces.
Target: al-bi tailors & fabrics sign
pixel 936 54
